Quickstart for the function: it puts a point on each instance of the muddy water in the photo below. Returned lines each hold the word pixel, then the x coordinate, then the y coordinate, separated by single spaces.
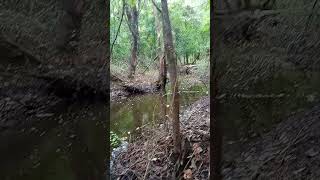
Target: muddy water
pixel 69 145
pixel 129 115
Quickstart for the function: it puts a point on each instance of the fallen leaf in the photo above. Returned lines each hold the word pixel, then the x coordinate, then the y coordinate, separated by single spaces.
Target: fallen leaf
pixel 197 149
pixel 187 174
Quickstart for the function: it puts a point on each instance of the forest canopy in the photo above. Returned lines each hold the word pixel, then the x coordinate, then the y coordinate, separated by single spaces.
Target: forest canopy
pixel 190 28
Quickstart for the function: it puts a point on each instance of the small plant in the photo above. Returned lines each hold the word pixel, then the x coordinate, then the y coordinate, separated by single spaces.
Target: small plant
pixel 115 140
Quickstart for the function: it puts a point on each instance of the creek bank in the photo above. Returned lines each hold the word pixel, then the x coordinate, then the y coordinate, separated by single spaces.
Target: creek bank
pixel 150 155
pixel 291 150
pixel 122 87
pixel 33 92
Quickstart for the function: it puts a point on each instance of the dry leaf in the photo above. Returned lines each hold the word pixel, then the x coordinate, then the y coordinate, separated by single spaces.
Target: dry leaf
pixel 197 149
pixel 187 174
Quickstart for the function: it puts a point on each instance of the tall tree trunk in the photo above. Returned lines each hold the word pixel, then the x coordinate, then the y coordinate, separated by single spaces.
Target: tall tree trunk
pixel 172 62
pixel 70 26
pixel 187 59
pixel 215 129
pixel 162 61
pixel 133 23
pixel 247 4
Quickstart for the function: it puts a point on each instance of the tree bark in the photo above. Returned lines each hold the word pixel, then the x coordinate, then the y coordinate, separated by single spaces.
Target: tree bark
pixel 215 129
pixel 162 79
pixel 70 26
pixel 133 23
pixel 187 59
pixel 247 4
pixel 172 62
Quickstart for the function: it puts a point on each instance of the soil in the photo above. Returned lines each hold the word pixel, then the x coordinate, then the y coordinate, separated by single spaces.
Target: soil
pixel 122 87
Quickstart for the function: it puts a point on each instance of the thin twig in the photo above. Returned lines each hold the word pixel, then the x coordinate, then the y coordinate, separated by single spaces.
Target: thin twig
pixel 155 5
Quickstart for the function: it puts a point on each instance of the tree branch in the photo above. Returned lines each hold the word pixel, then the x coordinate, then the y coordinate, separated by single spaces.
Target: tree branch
pixel 155 5
pixel 123 9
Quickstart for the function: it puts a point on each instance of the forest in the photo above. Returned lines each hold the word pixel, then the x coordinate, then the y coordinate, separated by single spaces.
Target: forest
pixel 159 67
pixel 159 89
pixel 256 118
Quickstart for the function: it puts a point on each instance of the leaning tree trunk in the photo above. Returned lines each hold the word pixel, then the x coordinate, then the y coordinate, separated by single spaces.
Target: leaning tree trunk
pixel 172 62
pixel 133 15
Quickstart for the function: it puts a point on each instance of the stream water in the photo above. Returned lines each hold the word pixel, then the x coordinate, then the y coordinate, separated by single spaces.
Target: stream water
pixel 135 112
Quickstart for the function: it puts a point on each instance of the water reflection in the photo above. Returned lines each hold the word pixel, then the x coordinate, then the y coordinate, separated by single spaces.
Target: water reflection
pixel 135 112
pixel 68 146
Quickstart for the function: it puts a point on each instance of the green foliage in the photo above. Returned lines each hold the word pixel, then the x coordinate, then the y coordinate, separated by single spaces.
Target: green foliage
pixel 190 24
pixel 191 28
pixel 114 139
pixel 132 3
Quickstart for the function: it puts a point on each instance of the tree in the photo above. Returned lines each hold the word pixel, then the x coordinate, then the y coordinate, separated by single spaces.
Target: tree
pixel 133 24
pixel 172 68
pixel 161 59
pixel 70 25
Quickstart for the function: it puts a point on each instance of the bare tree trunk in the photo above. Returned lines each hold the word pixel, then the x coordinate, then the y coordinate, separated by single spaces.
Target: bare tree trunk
pixel 215 129
pixel 172 62
pixel 187 59
pixel 133 23
pixel 70 26
pixel 162 61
